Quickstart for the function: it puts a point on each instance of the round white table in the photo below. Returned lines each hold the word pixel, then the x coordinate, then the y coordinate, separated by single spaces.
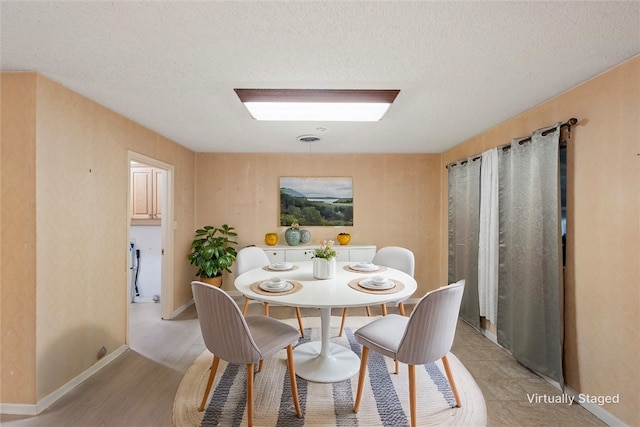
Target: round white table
pixel 325 362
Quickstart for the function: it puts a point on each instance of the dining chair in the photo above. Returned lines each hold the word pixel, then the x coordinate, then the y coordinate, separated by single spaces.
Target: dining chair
pixel 241 340
pixel 423 337
pixel 390 256
pixel 253 257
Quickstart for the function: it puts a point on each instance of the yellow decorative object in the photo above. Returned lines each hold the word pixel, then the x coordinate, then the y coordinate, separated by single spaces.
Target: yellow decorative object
pixel 344 238
pixel 271 239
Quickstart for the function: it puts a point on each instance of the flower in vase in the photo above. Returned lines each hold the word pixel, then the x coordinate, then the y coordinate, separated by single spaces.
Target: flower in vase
pixel 325 251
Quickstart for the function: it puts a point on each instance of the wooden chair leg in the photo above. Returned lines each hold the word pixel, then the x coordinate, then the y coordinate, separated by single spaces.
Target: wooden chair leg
pixel 250 394
pixel 246 306
pixel 368 310
pixel 292 378
pixel 260 365
pixel 412 394
pixel 212 374
pixel 384 309
pixel 344 317
pixel 397 366
pixel 300 321
pixel 266 309
pixel 361 377
pixel 452 384
pixel 401 308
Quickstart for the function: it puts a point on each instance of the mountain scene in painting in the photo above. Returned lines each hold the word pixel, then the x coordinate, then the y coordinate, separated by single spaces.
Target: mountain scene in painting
pixel 316 201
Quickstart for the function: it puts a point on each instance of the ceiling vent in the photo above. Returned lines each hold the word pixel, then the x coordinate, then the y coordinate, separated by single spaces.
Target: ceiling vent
pixel 308 138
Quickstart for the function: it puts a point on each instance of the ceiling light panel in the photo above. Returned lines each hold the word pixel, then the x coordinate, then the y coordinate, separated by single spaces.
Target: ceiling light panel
pixel 317 105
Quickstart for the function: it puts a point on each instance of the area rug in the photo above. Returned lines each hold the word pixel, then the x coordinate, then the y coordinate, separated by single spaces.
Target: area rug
pixel 385 400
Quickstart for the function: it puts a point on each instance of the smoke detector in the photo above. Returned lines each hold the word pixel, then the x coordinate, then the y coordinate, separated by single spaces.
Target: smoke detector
pixel 308 138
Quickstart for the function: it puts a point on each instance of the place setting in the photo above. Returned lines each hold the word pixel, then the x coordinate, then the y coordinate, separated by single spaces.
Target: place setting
pixel 276 285
pixel 280 266
pixel 376 284
pixel 365 267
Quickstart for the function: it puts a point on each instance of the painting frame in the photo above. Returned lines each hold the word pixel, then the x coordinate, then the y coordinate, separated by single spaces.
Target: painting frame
pixel 315 201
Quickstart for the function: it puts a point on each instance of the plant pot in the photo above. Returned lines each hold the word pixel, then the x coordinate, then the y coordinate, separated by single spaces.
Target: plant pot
pixel 213 281
pixel 323 269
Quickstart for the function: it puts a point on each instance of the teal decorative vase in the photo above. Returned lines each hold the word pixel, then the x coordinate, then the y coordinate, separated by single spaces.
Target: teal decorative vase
pixel 292 235
pixel 305 236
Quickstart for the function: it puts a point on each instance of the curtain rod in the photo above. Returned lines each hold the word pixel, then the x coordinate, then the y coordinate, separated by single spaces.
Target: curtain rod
pixel 571 122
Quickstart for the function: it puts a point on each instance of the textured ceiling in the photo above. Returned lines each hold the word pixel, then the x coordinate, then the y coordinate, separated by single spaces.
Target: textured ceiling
pixel 461 67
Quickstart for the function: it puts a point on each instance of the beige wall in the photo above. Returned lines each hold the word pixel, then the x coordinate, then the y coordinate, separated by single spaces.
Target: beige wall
pixel 602 300
pixel 18 251
pixel 396 199
pixel 64 288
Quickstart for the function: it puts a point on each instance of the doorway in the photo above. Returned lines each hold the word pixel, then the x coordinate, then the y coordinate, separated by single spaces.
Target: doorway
pixel 150 242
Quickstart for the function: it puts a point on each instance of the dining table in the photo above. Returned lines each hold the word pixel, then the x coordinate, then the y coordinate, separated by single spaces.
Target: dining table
pixel 351 286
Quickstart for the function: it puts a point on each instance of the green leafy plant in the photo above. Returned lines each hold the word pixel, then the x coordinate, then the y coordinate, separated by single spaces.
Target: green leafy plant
pixel 213 251
pixel 325 250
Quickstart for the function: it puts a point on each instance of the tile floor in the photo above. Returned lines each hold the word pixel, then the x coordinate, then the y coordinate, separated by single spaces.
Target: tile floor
pixel 507 386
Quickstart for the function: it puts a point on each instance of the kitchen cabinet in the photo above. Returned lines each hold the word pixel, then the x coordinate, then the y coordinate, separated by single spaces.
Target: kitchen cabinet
pixel 146 188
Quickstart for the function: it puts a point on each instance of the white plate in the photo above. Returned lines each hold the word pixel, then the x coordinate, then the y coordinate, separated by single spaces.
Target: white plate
pixel 367 283
pixel 281 267
pixel 265 286
pixel 358 268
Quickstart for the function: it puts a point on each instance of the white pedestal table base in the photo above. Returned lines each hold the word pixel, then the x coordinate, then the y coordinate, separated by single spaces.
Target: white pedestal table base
pixel 325 362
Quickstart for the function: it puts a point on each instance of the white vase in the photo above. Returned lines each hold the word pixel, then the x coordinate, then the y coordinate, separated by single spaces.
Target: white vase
pixel 323 269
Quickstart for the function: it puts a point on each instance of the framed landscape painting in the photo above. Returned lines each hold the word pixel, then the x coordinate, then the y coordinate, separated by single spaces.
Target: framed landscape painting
pixel 312 201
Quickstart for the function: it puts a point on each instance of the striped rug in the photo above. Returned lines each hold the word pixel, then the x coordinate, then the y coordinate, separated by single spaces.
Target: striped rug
pixel 384 402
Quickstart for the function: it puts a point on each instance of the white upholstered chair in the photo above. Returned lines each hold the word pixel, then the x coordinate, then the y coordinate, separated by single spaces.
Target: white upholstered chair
pixel 253 257
pixel 423 337
pixel 241 340
pixel 390 256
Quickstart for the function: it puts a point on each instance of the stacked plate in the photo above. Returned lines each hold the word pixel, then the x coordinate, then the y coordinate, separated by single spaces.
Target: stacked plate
pixel 377 283
pixel 276 284
pixel 281 266
pixel 365 266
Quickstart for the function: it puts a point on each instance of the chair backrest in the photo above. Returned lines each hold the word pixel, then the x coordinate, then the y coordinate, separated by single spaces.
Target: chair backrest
pixel 396 257
pixel 432 326
pixel 249 258
pixel 224 329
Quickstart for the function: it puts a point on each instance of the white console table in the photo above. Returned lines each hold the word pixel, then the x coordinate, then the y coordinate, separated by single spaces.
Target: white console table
pixel 282 253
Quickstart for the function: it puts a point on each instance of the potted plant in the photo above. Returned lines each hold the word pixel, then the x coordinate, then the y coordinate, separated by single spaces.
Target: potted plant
pixel 213 252
pixel 324 260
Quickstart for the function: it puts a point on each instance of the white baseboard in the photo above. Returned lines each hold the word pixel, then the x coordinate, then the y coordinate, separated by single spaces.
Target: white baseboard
pixel 597 410
pixel 17 409
pixel 45 402
pixel 182 308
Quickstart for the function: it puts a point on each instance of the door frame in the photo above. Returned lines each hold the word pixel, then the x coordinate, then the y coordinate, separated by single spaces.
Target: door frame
pixel 167 243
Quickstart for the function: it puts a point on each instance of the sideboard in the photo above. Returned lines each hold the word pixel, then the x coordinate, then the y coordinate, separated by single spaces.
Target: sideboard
pixel 281 253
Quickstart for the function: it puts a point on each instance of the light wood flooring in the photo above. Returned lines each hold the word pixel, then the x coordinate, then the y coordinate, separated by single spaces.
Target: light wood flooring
pixel 138 388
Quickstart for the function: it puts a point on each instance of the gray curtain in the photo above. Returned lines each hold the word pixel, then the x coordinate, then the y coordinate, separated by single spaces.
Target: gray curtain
pixel 464 229
pixel 530 290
